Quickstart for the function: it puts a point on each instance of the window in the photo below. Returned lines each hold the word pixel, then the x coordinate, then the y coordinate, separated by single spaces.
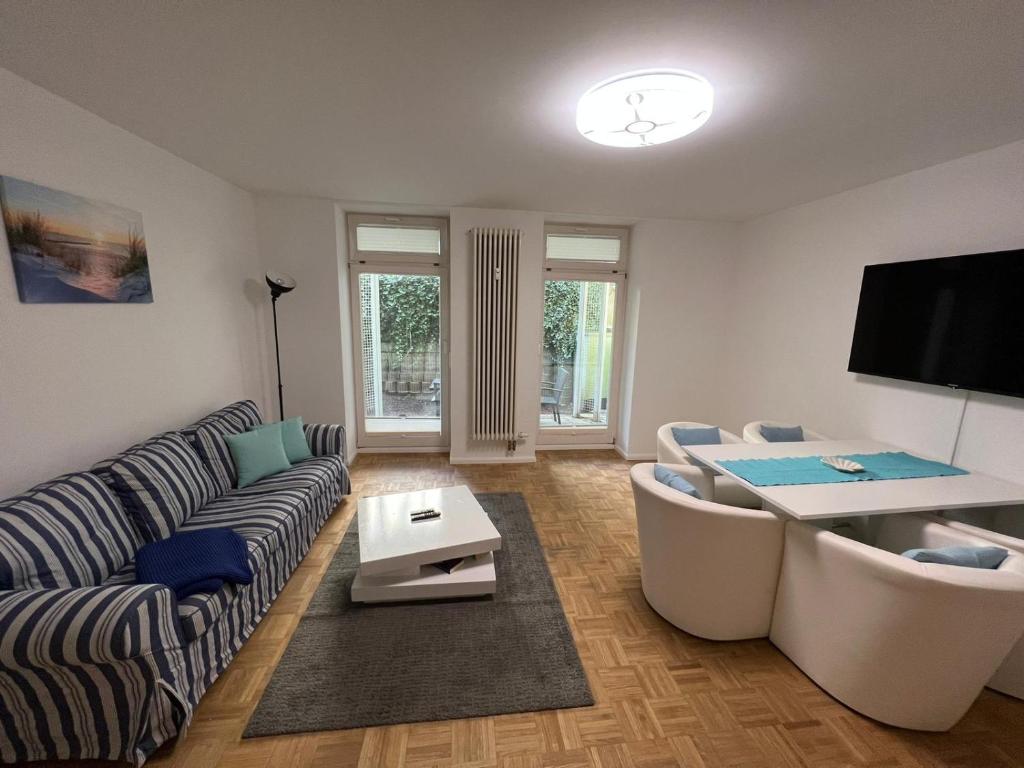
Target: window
pixel 585 248
pixel 398 284
pixel 385 238
pixel 584 285
pixel 397 239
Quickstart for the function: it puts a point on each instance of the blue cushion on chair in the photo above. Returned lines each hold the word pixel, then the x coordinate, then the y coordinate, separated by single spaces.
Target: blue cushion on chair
pixel 697 435
pixel 968 557
pixel 674 480
pixel 782 434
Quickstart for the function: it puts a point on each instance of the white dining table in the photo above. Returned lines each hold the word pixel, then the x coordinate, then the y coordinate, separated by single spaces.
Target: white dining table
pixel 862 497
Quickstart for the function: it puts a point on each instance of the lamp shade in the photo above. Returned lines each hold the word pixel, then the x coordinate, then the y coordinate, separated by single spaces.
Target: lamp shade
pixel 280 283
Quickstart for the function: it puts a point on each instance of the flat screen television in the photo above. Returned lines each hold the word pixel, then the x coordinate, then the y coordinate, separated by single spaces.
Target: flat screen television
pixel 956 321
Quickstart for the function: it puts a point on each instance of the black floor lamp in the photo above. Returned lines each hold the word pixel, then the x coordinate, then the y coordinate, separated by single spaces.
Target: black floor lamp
pixel 279 283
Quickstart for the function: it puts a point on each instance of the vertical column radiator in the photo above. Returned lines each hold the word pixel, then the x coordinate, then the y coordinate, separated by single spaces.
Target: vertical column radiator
pixel 495 311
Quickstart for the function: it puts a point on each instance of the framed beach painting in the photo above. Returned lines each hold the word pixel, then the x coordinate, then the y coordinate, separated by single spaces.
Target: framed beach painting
pixel 71 249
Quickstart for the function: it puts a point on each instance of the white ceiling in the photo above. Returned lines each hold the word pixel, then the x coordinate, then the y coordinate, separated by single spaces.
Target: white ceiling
pixel 472 102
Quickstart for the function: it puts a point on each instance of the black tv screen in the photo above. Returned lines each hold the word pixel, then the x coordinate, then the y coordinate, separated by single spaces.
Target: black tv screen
pixel 956 321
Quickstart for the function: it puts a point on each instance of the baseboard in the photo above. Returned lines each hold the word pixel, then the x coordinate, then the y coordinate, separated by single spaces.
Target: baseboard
pixel 635 456
pixel 406 449
pixel 574 447
pixel 492 460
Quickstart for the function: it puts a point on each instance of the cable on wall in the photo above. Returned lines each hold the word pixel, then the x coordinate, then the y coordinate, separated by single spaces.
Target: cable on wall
pixel 959 426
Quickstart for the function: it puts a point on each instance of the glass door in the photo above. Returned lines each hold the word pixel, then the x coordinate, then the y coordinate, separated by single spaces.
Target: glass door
pixel 401 356
pixel 581 357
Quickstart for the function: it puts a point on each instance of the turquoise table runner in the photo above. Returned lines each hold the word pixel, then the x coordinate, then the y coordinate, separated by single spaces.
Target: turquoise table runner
pixel 808 470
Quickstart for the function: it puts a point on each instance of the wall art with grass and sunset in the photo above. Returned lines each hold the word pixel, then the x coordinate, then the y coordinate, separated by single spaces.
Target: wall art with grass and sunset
pixel 71 249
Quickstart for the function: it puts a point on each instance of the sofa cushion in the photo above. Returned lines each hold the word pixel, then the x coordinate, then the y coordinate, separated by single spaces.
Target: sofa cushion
pixel 161 484
pixel 68 532
pixel 293 436
pixel 265 512
pixel 196 613
pixel 207 437
pixel 258 453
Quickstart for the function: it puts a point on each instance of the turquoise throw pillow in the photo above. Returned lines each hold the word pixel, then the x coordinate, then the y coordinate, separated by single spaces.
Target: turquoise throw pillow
pixel 968 557
pixel 258 454
pixel 293 436
pixel 697 435
pixel 782 434
pixel 674 480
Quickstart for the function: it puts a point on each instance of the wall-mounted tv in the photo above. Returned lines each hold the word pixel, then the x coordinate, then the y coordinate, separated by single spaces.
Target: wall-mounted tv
pixel 955 321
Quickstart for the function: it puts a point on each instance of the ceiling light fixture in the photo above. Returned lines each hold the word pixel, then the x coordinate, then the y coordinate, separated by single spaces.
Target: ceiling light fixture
pixel 641 109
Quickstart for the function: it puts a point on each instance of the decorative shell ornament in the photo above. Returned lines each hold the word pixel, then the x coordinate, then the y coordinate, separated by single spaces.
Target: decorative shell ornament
pixel 843 465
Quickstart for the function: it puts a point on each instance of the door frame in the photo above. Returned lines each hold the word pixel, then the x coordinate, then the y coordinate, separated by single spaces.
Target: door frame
pixel 556 436
pixel 370 440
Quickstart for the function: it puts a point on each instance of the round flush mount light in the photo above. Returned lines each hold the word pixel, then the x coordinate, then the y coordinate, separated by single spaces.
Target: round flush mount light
pixel 641 109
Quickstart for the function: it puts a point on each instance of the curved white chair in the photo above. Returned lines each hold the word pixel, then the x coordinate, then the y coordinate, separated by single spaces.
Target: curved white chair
pixel 709 569
pixel 1009 678
pixel 910 644
pixel 752 431
pixel 726 490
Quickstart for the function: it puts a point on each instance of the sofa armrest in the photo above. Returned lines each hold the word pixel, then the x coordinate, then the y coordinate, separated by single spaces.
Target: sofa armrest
pixel 326 439
pixel 86 625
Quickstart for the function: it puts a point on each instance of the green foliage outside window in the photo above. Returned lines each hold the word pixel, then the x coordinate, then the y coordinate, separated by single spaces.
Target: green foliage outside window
pixel 561 316
pixel 409 306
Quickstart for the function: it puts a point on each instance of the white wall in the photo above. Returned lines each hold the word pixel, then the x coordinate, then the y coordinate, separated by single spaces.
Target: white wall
pixel 677 294
pixel 678 311
pixel 298 236
pixel 80 381
pixel 796 290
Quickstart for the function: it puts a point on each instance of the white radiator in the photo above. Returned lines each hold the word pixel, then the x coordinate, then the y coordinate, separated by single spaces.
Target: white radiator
pixel 495 309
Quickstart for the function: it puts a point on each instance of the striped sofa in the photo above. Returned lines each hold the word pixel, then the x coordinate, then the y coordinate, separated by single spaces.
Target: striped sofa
pixel 94 665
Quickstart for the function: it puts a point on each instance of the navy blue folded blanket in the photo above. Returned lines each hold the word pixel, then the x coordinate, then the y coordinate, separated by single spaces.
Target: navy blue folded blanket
pixel 196 561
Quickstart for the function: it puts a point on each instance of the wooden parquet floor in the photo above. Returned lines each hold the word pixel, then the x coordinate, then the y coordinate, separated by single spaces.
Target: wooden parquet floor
pixel 663 698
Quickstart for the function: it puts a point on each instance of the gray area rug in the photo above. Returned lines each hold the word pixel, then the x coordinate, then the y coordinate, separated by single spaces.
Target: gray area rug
pixel 351 665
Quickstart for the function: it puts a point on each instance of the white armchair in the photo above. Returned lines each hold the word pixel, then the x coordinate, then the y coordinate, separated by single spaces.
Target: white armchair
pixel 726 490
pixel 707 568
pixel 1001 527
pixel 752 431
pixel 910 644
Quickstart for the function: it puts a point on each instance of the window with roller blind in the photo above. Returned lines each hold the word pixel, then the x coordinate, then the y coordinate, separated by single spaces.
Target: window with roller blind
pixel 398 284
pixel 408 239
pixel 584 282
pixel 584 248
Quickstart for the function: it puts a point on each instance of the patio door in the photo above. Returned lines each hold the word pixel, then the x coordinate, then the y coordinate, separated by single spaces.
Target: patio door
pixel 399 299
pixel 581 358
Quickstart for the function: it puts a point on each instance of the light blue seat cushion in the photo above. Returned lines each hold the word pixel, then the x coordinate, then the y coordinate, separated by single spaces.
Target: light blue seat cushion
pixel 674 480
pixel 697 435
pixel 968 557
pixel 782 434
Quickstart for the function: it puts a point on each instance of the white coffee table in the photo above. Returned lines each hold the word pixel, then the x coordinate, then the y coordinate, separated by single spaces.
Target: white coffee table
pixel 395 553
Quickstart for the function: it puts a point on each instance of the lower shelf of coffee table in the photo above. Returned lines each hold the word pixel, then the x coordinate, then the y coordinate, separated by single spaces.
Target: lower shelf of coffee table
pixel 426 582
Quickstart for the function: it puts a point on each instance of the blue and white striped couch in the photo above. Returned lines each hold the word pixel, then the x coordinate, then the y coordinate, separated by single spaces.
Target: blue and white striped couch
pixel 93 665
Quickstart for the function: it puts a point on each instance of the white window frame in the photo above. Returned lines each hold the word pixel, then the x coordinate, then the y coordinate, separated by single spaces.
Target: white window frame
pixel 590 271
pixel 355 256
pixel 580 265
pixel 401 263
